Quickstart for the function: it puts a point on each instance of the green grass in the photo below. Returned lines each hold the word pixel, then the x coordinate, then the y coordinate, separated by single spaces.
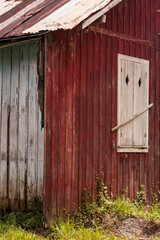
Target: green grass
pixel 68 230
pixel 9 231
pixel 21 225
pixel 123 208
pixel 95 219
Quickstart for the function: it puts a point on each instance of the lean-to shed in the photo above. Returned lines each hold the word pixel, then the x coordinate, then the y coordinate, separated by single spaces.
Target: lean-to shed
pixel 80 94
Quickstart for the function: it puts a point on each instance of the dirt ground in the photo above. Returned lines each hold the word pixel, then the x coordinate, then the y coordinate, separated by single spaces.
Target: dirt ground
pixel 133 228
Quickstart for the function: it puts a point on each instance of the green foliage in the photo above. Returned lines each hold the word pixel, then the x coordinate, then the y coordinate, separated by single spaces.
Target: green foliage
pixel 89 212
pixel 121 208
pixel 141 198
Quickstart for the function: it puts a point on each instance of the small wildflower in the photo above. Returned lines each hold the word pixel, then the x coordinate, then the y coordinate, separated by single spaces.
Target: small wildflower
pixel 64 209
pixel 84 188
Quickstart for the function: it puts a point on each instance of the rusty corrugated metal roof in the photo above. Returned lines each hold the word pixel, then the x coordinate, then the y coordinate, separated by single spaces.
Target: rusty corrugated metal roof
pixel 32 16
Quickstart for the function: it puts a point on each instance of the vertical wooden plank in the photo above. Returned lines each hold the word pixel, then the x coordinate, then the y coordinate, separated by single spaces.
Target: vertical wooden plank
pixel 89 109
pixel 132 17
pixel 120 191
pixel 138 13
pixel 125 100
pixel 23 126
pixel 120 17
pixel 114 115
pixel 102 86
pixel 157 122
pixel 143 25
pixel 95 109
pixel 5 123
pixel 129 158
pixel 41 111
pixel 1 87
pixel 152 97
pixel 108 107
pixel 13 149
pixel 115 160
pixel 124 176
pixel 48 135
pixel 147 156
pixel 152 121
pixel 55 127
pixel 32 174
pixel 138 19
pixel 126 17
pixel 140 125
pixel 62 124
pixel 40 158
pixel 148 170
pixel 76 121
pixel 137 174
pixel 127 171
pixel 121 162
pixel 148 20
pixel 69 123
pixel 83 114
pixel 133 26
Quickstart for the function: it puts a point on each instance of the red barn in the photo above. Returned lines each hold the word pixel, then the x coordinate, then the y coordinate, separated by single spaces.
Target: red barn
pixel 98 63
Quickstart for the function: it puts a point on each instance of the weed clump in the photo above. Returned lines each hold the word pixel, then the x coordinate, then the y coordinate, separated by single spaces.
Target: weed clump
pixel 141 198
pixel 100 209
pixel 101 214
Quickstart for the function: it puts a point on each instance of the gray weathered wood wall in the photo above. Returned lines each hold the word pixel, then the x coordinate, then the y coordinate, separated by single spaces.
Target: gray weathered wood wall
pixel 21 132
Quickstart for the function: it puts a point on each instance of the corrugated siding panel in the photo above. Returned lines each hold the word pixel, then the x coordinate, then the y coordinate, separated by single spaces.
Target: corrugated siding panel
pixel 82 106
pixel 20 126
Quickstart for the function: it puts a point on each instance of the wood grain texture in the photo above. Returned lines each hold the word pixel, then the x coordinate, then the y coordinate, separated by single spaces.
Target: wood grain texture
pixel 87 100
pixel 13 149
pixel 6 76
pixel 21 170
pixel 32 167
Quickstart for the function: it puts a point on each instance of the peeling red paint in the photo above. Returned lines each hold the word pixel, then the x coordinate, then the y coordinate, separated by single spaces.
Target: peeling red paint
pixel 81 107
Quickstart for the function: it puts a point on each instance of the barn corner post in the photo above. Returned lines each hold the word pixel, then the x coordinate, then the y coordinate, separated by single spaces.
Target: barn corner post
pixel 48 130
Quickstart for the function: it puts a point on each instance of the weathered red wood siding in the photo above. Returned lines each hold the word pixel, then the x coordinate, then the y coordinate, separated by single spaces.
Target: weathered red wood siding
pixel 81 108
